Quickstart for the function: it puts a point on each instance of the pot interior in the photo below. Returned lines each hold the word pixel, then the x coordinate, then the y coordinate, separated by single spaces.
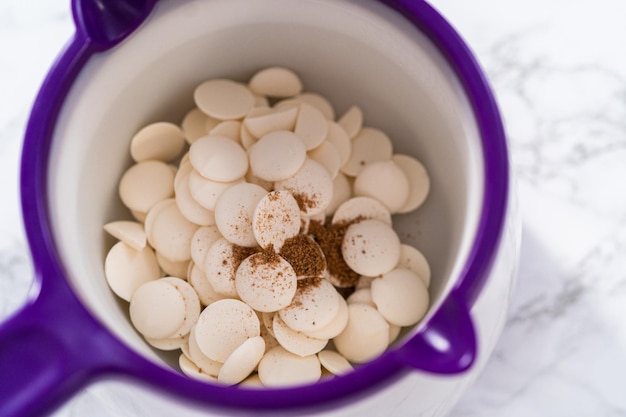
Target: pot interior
pixel 352 52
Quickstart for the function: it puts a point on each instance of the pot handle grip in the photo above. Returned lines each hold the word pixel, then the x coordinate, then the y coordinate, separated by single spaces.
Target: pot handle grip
pixel 49 350
pixel 38 371
pixel 448 342
pixel 105 24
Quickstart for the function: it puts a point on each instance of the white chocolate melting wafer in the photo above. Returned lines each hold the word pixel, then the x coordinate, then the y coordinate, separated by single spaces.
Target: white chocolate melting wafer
pixel 276 218
pixel 366 335
pixel 370 145
pixel 311 126
pixel 145 184
pixel 311 186
pixel 242 361
pixel 313 307
pixel 234 212
pixel 280 368
pixel 363 208
pixel 401 297
pixel 126 269
pixel 414 260
pixel 160 141
pixel 371 248
pixel 334 362
pixel 374 181
pixel 277 156
pixel 276 82
pixel 419 181
pixel 131 233
pixel 223 326
pixel 266 282
pixel 224 99
pixel 157 320
pixel 294 341
pixel 218 158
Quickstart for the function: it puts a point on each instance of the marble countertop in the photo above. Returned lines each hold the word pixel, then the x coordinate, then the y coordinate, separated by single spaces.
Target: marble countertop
pixel 558 69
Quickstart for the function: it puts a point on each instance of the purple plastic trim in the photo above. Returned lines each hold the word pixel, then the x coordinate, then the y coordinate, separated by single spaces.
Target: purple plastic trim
pixel 446 344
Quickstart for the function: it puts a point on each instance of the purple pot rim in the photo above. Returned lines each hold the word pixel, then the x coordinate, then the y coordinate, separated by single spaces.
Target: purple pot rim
pixel 370 376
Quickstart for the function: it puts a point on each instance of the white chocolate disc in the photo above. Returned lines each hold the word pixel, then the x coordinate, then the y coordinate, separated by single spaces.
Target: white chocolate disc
pixel 370 145
pixel 205 191
pixel 172 343
pixel 277 156
pixel 247 140
pixel 223 99
pixel 280 368
pixel 242 361
pixel 320 102
pixel 361 296
pixel 171 268
pixel 276 82
pixel 152 215
pixel 419 182
pixel 192 371
pixel 401 297
pixel 203 362
pixel 223 326
pixel 234 212
pixel 352 121
pixel 126 269
pixel 171 233
pixel 266 282
pixel 140 216
pixel 252 382
pixel 192 304
pixel 366 335
pixel 145 184
pixel 337 324
pixel 201 242
pixel 296 342
pixel 364 282
pixel 218 158
pixel 276 218
pixel 188 205
pixel 267 320
pixel 311 186
pixel 334 362
pixel 311 126
pixel 385 182
pixel 200 283
pixel 194 125
pixel 131 233
pixel 364 208
pixel 157 309
pixel 313 307
pixel 371 248
pixel 229 128
pixel 413 260
pixel 338 137
pixel 160 141
pixel 394 332
pixel 221 264
pixel 278 119
pixel 342 191
pixel 327 155
pixel 184 169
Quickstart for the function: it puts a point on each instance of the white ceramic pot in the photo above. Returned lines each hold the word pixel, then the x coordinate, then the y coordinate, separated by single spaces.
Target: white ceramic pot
pixel 136 62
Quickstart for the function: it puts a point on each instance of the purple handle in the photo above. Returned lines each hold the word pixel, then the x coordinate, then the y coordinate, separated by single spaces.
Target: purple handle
pixel 447 344
pixel 48 351
pixel 107 23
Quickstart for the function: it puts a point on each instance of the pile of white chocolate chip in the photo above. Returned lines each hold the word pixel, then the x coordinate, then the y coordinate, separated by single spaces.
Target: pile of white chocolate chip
pixel 267 254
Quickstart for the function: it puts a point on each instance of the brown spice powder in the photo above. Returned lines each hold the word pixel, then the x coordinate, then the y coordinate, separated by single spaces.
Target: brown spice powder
pixel 240 253
pixel 305 256
pixel 305 201
pixel 330 239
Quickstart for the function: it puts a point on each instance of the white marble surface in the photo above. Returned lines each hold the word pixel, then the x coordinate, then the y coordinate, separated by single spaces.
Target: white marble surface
pixel 558 68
